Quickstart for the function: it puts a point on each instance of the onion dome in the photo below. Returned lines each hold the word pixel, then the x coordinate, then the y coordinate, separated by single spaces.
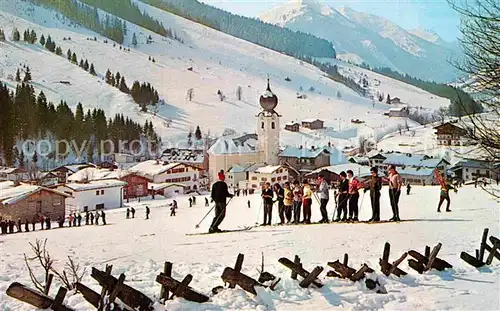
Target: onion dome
pixel 268 100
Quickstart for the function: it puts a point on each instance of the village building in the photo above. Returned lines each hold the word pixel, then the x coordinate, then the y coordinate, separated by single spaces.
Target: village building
pixel 304 160
pixel 450 134
pixel 332 172
pixel 64 171
pixel 166 189
pixel 48 179
pixel 313 124
pixel 468 170
pixel 26 201
pixel 93 195
pixel 417 175
pixel 157 171
pixel 395 101
pixel 124 158
pixel 239 175
pixel 269 173
pixel 13 174
pixel 292 126
pixel 398 112
pixel 191 156
pixel 262 147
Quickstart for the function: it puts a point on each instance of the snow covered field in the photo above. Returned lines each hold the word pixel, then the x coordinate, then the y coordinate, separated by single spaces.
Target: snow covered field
pixel 139 247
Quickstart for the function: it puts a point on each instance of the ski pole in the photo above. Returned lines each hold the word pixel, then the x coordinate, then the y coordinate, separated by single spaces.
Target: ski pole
pixel 224 208
pixel 258 214
pixel 198 225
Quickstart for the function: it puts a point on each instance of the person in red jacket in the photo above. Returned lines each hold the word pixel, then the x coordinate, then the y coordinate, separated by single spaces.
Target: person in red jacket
pixel 354 186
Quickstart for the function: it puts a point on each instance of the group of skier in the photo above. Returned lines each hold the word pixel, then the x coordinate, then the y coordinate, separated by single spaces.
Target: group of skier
pixel 295 200
pixel 74 220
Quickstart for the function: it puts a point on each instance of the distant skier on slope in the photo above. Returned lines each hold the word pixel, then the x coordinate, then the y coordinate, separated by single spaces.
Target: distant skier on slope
pixel 147 212
pixel 219 194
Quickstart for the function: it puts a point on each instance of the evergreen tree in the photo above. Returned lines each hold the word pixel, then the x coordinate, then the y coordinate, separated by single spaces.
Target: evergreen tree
pixel 81 63
pixel 117 79
pixel 27 75
pixel 86 65
pixel 18 75
pixel 42 40
pixel 197 133
pixel 2 35
pixel 123 86
pixel 32 37
pixel 68 54
pixel 50 45
pixel 20 159
pixel 109 77
pixel 26 36
pixel 339 95
pixel 388 100
pixel 74 60
pixel 92 70
pixel 134 40
pixel 16 36
pixel 58 51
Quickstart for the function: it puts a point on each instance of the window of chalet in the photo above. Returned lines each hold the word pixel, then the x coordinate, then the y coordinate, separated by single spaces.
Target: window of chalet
pixel 273 126
pixel 284 178
pixel 278 179
pixel 102 192
pixel 263 179
pixel 97 192
pixel 262 125
pixel 273 179
pixel 254 177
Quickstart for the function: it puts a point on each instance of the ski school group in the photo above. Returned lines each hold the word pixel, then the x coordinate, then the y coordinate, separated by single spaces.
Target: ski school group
pixel 295 200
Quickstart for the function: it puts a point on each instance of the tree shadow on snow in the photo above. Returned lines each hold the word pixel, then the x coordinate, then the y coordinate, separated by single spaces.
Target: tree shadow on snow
pixel 331 297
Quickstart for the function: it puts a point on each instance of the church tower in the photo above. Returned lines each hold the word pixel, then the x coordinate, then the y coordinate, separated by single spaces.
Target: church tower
pixel 268 127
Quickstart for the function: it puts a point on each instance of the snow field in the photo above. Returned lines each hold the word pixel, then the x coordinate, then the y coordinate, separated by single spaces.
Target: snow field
pixel 138 248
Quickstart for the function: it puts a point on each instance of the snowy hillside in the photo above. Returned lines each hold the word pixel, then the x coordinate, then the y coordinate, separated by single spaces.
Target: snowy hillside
pixel 218 61
pixel 138 248
pixel 366 37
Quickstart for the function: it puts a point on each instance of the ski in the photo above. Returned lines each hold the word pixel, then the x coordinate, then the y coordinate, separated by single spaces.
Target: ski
pixel 222 231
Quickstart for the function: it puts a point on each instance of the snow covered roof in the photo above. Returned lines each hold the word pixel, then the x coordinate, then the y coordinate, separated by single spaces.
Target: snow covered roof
pixel 398 109
pixel 151 168
pixel 311 120
pixel 416 171
pixel 227 145
pixel 358 170
pixel 417 160
pixel 192 156
pixel 269 169
pixel 473 164
pixel 76 167
pixel 292 123
pixel 10 194
pixel 160 186
pixel 92 173
pixel 11 170
pixel 296 152
pixel 96 184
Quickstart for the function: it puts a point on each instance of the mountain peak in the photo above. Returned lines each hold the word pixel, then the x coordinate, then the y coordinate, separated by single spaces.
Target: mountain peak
pixel 426 34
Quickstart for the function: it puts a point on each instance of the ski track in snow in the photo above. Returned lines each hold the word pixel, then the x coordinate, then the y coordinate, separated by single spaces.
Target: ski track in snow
pixel 139 247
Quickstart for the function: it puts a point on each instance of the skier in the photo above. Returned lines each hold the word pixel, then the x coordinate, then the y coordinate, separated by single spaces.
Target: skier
pixel 194 200
pixel 60 221
pixel 190 202
pixel 128 213
pixel 47 223
pixel 103 216
pixel 70 220
pixel 19 228
pixel 288 202
pixel 297 201
pixel 26 225
pixel 97 218
pixel 445 195
pixel 267 196
pixel 395 183
pixel 173 208
pixel 206 202
pixel 33 222
pixel 324 197
pixel 307 202
pixel 132 210
pixel 74 219
pixel 91 218
pixel 354 186
pixel 248 203
pixel 86 217
pixel 42 221
pixel 79 220
pixel 219 194
pixel 342 197
pixel 280 196
pixel 375 184
pixel 147 212
pixel 408 189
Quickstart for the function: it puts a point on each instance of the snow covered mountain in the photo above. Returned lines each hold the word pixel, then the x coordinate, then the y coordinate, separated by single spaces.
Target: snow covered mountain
pixel 206 62
pixel 365 37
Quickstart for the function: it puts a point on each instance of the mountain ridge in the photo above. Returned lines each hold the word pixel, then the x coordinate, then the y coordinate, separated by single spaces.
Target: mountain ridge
pixel 369 38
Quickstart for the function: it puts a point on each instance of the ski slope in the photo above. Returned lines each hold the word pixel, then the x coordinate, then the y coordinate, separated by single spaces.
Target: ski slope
pixel 139 247
pixel 219 62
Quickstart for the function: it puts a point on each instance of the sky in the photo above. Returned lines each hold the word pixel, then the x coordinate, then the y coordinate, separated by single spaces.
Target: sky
pixel 435 15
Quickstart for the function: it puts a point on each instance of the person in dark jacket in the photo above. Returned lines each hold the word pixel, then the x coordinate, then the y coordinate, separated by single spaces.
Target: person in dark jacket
pixel 267 196
pixel 87 217
pixel 132 210
pixel 206 202
pixel 47 223
pixel 103 216
pixel 374 185
pixel 19 227
pixel 280 197
pixel 97 215
pixel 128 213
pixel 219 194
pixel 343 196
pixel 26 225
pixel 147 212
pixel 79 219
